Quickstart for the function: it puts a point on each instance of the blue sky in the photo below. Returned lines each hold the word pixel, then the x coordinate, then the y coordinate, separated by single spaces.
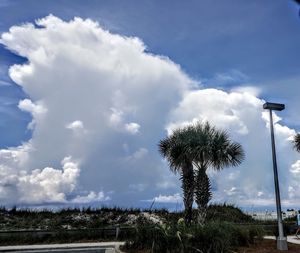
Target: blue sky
pixel 249 48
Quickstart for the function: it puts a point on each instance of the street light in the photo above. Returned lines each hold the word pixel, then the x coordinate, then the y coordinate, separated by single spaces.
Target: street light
pixel 281 240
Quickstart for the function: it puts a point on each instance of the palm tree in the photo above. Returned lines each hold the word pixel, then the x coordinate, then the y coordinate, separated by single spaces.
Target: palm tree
pixel 199 146
pixel 175 149
pixel 297 142
pixel 211 148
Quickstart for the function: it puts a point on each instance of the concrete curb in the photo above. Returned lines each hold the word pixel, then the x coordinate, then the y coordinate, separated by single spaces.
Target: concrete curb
pixel 291 239
pixel 100 245
pixel 117 249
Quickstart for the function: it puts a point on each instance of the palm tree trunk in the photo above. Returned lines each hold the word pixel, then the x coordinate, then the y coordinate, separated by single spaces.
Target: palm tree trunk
pixel 203 194
pixel 188 191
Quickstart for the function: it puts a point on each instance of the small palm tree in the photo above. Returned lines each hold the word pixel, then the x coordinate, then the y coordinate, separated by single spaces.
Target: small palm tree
pixel 175 149
pixel 211 148
pixel 297 142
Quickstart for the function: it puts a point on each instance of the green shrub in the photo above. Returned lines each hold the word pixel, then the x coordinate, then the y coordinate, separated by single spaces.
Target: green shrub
pixel 213 237
pixel 227 212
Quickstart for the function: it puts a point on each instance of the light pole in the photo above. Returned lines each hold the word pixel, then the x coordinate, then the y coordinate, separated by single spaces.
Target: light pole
pixel 281 240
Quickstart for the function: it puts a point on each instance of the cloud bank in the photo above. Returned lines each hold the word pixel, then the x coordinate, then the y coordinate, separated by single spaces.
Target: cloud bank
pixel 242 115
pixel 99 105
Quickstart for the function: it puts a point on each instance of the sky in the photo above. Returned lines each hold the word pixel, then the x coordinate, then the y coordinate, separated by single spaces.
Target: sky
pixel 88 88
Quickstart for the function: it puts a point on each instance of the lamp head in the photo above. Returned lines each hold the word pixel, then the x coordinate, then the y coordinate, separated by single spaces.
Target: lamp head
pixel 274 106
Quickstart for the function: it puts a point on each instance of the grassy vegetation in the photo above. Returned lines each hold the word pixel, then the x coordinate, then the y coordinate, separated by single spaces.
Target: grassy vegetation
pixel 213 237
pixel 141 228
pixel 16 219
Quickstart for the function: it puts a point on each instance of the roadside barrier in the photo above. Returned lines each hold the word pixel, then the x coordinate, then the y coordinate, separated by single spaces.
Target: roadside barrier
pixel 65 235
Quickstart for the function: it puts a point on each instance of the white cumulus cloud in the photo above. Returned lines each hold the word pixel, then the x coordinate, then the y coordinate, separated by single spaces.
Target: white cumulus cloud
pixel 132 127
pixel 295 168
pixel 37 110
pixel 80 78
pixel 38 186
pixel 87 80
pixel 48 184
pixel 91 197
pixel 77 127
pixel 175 198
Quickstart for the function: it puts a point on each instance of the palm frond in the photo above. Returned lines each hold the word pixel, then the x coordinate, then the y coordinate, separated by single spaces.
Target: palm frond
pixel 296 142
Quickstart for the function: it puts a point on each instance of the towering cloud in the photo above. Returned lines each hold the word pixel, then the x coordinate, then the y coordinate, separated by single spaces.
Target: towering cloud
pixel 99 105
pixel 93 96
